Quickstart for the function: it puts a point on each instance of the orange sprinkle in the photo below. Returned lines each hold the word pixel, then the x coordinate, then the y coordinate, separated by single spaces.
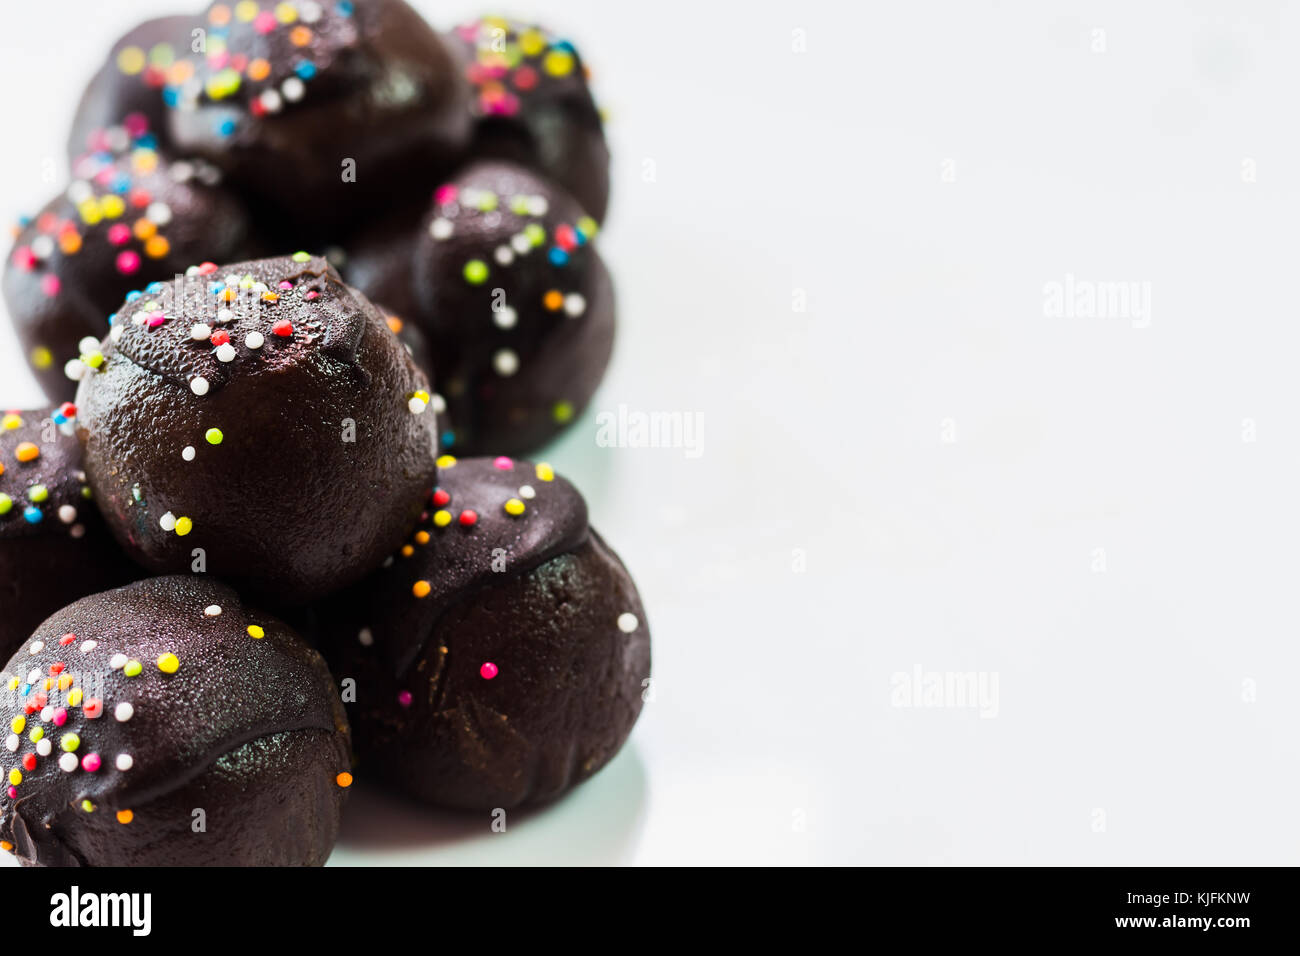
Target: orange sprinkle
pixel 344 779
pixel 421 589
pixel 422 537
pixel 407 551
pixel 300 36
pixel 395 324
pixel 219 14
pixel 553 300
pixel 6 846
pixel 125 816
pixel 157 247
pixel 270 297
pixel 70 243
pixel 27 452
pixel 259 69
pixel 228 294
pixel 144 229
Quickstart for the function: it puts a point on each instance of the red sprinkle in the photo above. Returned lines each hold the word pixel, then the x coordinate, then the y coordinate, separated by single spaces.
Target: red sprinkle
pixel 468 517
pixel 29 761
pixel 283 328
pixel 219 337
pixel 57 668
pixel 441 497
pixel 66 639
pixel 207 268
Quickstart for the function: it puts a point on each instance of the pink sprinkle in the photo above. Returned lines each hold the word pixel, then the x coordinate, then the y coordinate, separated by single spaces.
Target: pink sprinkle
pixel 404 698
pixel 445 194
pixel 207 268
pixel 156 319
pixel 313 294
pixel 488 671
pixel 13 793
pixel 60 717
pixel 50 285
pixel 137 124
pixel 90 763
pixel 265 22
pixel 128 262
pixel 119 234
pixel 504 463
pixel 286 285
pixel 218 60
pixel 24 258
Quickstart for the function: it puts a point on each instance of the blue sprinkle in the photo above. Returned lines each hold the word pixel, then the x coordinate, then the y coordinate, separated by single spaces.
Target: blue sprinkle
pixel 25 689
pixel 564 45
pixel 448 439
pixel 147 141
pixel 305 70
pixel 172 96
pixel 112 319
pixel 153 288
pixel 226 127
pixel 344 8
pixel 24 220
pixel 121 185
pixel 133 295
pixel 558 256
pixel 216 288
pixel 33 514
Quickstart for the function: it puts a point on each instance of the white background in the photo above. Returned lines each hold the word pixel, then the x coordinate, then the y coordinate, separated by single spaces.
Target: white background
pixel 921 172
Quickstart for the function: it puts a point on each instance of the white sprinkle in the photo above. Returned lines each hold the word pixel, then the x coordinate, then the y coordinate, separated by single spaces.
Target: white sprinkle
pixel 42 247
pixel 271 101
pixel 117 662
pixel 199 386
pixel 309 11
pixel 201 333
pixel 506 363
pixel 47 713
pixel 116 334
pixel 88 344
pixel 521 243
pixel 124 711
pixel 293 89
pixel 188 453
pixel 75 369
pixel 212 610
pixel 627 622
pixel 441 228
pixel 254 340
pixel 527 491
pixel 37 647
pixel 88 646
pixel 11 742
pixel 504 255
pixel 226 353
pixel 417 405
pixel 34 676
pixel 439 403
pixel 140 317
pixel 80 191
pixel 117 138
pixel 574 305
pixel 260 287
pixel 182 171
pixel 167 522
pixel 44 746
pixel 505 317
pixel 225 315
pixel 67 514
pixel 159 213
pixel 366 637
pixel 68 763
pixel 537 205
pixel 124 762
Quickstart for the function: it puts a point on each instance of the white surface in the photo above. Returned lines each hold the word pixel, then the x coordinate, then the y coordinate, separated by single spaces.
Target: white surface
pixel 1119 692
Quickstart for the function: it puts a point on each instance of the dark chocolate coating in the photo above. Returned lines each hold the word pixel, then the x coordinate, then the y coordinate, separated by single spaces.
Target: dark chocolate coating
pixel 249 730
pixel 537 594
pixel 130 217
pixel 532 106
pixel 282 105
pixel 131 81
pixel 54 548
pixel 323 459
pixel 520 346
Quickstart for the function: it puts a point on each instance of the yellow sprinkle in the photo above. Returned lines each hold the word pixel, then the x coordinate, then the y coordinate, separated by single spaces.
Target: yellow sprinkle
pixel 130 60
pixel 445 461
pixel 112 205
pixel 88 209
pixel 42 357
pixel 532 42
pixel 558 63
pixel 245 10
pixel 18 723
pixel 184 526
pixel 15 776
pixel 286 12
pixel 255 631
pixel 514 507
pixel 74 698
pixel 545 472
pixel 442 518
pixel 125 816
pixel 168 663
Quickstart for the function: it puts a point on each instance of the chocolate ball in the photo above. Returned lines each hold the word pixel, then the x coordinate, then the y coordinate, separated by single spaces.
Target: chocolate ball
pixel 263 421
pixel 325 110
pixel 129 218
pixel 502 276
pixel 500 659
pixel 54 548
pixel 532 105
pixel 167 724
pixel 131 81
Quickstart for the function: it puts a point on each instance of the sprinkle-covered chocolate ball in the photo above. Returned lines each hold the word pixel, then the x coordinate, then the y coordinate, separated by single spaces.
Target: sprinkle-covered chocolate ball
pixel 131 81
pixel 259 422
pixel 518 306
pixel 501 658
pixel 54 547
pixel 531 105
pixel 167 724
pixel 129 218
pixel 321 108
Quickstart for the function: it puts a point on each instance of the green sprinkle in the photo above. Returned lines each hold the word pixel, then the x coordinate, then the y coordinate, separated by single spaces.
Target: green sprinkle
pixel 214 436
pixel 87 806
pixel 301 257
pixel 6 504
pixel 476 272
pixel 519 205
pixel 69 742
pixel 132 668
pixel 587 226
pixel 562 411
pixel 535 233
pixel 38 493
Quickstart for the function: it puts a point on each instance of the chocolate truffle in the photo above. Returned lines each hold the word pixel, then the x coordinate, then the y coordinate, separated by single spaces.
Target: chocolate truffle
pixel 167 724
pixel 518 307
pixel 502 656
pixel 54 547
pixel 130 217
pixel 322 108
pixel 262 419
pixel 531 105
pixel 131 81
